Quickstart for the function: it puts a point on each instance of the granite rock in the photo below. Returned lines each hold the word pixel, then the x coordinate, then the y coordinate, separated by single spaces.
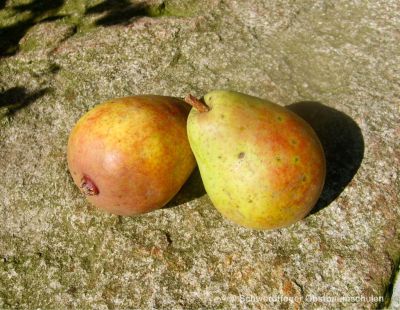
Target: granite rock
pixel 335 63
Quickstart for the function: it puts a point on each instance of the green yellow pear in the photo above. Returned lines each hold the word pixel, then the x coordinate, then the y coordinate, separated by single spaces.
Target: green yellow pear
pixel 262 166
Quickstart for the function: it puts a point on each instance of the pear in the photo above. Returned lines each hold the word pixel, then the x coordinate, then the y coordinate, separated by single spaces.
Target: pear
pixel 262 166
pixel 131 155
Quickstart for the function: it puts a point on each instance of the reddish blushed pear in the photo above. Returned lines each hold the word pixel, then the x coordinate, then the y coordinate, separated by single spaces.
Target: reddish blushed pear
pixel 262 166
pixel 131 155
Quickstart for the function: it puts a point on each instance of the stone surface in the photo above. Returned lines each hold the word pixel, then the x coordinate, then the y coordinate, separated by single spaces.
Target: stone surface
pixel 335 63
pixel 395 300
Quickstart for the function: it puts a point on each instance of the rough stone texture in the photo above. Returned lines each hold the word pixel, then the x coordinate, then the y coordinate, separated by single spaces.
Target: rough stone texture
pixel 342 57
pixel 395 300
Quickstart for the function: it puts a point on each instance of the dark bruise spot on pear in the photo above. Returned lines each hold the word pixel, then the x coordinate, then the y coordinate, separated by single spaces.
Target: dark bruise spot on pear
pixel 241 155
pixel 88 187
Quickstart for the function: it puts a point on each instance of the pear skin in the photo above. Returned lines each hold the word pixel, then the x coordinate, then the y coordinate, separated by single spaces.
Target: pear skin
pixel 131 155
pixel 262 166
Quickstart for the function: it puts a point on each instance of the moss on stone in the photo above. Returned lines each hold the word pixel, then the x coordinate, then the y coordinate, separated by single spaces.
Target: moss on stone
pixel 177 8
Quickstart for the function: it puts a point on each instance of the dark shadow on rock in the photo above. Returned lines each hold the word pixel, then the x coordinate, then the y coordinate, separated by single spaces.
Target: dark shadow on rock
pixel 11 35
pixel 122 11
pixel 17 98
pixel 116 12
pixel 112 12
pixel 192 189
pixel 54 68
pixel 343 145
pixel 38 11
pixel 39 7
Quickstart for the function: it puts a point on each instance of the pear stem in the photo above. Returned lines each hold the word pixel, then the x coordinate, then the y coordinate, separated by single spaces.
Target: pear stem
pixel 197 104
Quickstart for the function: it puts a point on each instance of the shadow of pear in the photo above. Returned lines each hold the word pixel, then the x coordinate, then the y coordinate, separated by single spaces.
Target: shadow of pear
pixel 343 145
pixel 192 189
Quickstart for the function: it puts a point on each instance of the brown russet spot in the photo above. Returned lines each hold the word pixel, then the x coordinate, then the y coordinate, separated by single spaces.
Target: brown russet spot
pixel 241 155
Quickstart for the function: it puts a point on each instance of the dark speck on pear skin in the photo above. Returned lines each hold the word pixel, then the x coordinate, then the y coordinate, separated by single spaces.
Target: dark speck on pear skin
pixel 241 155
pixel 222 116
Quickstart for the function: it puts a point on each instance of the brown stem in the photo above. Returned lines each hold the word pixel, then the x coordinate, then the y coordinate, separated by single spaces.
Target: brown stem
pixel 88 187
pixel 197 104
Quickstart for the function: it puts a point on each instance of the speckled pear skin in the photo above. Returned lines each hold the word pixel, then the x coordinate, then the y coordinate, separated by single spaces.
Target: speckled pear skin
pixel 263 166
pixel 132 153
